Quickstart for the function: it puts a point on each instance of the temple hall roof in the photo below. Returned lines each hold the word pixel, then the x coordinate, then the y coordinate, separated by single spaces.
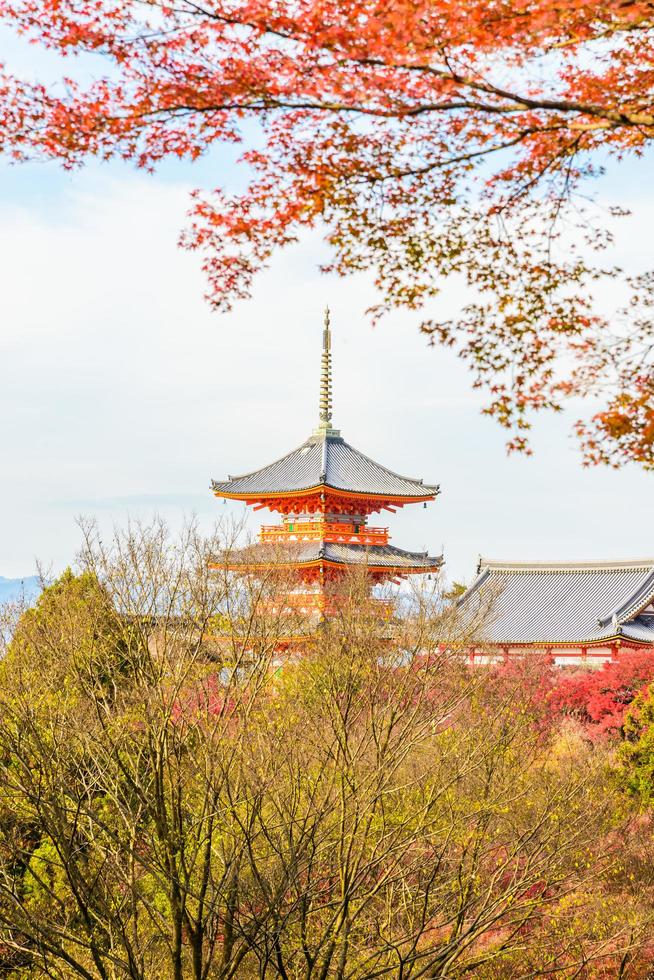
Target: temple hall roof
pixel 308 553
pixel 325 459
pixel 562 603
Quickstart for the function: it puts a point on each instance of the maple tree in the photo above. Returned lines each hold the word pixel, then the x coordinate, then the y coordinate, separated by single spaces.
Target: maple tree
pixel 600 699
pixel 426 139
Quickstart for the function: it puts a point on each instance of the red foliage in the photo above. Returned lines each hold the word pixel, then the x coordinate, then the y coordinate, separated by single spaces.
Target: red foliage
pixel 599 699
pixel 427 138
pixel 204 701
pixel 527 680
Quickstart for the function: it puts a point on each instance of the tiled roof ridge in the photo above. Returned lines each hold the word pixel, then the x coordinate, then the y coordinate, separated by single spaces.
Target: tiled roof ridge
pixel 633 605
pixel 627 564
pixel 398 476
pixel 324 460
pixel 280 459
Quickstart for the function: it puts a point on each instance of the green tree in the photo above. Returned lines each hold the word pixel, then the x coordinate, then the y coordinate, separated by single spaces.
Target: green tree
pixel 637 753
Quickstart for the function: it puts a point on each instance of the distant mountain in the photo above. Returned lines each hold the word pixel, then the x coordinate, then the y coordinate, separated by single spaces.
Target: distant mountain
pixel 12 589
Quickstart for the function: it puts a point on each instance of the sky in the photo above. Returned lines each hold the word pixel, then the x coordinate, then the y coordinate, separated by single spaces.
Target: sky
pixel 122 394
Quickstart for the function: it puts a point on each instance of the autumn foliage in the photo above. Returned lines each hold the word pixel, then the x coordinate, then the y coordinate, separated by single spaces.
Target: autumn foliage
pixel 182 801
pixel 600 699
pixel 425 140
pixel 596 700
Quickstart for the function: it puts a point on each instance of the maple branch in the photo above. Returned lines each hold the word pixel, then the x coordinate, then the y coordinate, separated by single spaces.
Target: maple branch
pixel 461 158
pixel 517 102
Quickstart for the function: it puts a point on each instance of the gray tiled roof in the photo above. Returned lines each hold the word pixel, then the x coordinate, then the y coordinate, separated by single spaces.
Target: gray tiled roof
pixel 563 602
pixel 374 556
pixel 324 460
pixel 641 628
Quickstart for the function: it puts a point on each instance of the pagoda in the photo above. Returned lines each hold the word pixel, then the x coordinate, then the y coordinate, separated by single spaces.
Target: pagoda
pixel 325 491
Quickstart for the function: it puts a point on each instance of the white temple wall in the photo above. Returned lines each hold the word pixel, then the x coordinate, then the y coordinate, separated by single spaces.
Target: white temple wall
pixel 569 657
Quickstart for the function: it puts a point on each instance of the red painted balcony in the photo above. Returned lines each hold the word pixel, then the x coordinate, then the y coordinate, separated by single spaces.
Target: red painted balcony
pixel 338 533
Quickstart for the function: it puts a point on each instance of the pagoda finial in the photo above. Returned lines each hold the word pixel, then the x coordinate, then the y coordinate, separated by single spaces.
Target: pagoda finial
pixel 326 376
pixel 325 404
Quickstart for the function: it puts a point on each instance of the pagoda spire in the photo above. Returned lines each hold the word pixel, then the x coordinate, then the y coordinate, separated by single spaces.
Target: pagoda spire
pixel 326 375
pixel 325 401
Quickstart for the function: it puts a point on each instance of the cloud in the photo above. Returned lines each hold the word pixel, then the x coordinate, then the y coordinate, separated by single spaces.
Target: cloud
pixel 121 390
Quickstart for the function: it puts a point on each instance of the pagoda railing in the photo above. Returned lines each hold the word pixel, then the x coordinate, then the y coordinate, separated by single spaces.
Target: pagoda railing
pixel 321 602
pixel 338 533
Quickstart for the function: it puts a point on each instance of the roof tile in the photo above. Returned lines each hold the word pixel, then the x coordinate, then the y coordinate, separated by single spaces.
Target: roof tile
pixel 563 603
pixel 374 556
pixel 324 460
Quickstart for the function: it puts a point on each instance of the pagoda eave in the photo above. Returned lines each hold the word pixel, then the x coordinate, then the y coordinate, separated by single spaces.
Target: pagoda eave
pixel 326 564
pixel 322 495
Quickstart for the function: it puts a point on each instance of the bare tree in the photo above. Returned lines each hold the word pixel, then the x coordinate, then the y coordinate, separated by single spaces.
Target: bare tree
pixel 196 786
